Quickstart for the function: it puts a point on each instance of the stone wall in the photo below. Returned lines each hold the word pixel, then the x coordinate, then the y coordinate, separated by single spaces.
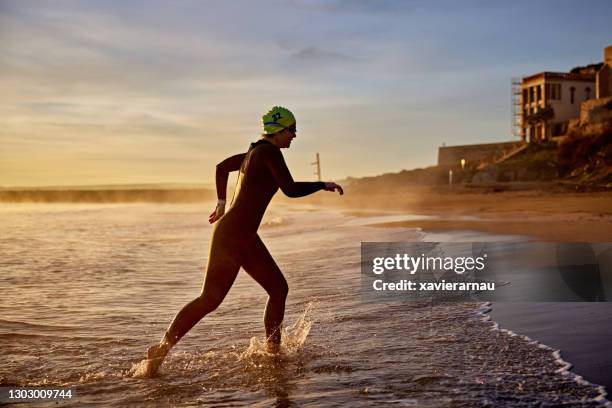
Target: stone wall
pixel 596 110
pixel 473 154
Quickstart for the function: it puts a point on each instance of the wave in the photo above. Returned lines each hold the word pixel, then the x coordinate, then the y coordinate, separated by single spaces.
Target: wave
pixel 25 325
pixel 277 222
pixel 565 366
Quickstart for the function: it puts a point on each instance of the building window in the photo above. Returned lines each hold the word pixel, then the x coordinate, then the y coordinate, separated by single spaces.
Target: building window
pixel 538 93
pixel 587 93
pixel 525 100
pixel 553 91
pixel 530 94
pixel 572 92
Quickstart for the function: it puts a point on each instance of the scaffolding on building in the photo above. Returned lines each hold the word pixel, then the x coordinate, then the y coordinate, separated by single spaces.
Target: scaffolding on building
pixel 515 127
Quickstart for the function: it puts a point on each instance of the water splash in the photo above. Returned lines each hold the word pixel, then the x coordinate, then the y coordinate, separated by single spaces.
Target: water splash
pixel 139 370
pixel 292 339
pixel 92 377
pixel 276 222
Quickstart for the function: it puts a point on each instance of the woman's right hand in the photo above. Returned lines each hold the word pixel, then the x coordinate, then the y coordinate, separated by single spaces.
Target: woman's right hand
pixel 217 213
pixel 331 186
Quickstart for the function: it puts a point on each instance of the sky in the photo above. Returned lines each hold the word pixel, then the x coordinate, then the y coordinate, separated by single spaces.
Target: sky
pixel 130 92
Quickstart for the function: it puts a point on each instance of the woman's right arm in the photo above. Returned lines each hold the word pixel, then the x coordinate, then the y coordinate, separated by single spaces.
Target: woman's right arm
pixel 224 168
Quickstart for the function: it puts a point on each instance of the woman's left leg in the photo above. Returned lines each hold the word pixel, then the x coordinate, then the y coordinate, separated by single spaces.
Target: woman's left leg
pixel 221 271
pixel 257 262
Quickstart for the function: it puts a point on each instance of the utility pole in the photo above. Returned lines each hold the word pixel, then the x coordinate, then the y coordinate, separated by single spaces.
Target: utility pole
pixel 318 164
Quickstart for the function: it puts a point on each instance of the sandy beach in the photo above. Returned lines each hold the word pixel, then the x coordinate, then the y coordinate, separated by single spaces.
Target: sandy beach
pixel 545 212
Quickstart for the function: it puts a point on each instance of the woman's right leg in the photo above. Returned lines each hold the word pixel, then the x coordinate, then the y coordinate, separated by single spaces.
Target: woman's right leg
pixel 258 263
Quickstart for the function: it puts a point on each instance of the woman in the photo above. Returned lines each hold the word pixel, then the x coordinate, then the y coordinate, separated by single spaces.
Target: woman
pixel 235 242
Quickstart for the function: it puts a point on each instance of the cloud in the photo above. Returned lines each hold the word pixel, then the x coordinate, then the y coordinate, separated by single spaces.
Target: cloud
pixel 76 51
pixel 356 6
pixel 318 55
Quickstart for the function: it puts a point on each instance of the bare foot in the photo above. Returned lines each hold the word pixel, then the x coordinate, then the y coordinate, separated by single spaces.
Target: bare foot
pixel 155 358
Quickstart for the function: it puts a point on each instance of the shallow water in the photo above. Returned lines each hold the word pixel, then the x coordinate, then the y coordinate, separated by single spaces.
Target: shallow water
pixel 86 288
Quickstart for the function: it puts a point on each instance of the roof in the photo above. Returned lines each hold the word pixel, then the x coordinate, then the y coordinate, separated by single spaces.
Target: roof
pixel 561 76
pixel 480 145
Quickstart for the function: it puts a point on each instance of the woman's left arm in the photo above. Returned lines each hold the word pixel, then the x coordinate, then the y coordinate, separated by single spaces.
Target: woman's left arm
pixel 282 176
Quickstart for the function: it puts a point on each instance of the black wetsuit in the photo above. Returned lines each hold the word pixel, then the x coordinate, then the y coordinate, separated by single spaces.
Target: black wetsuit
pixel 235 242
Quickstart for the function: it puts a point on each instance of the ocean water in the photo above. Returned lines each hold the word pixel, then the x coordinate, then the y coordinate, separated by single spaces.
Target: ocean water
pixel 85 289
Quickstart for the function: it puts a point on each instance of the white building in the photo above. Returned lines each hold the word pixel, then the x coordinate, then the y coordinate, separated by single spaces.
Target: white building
pixel 561 94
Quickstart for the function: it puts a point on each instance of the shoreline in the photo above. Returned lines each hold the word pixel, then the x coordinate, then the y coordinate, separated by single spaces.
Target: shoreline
pixel 577 334
pixel 568 330
pixel 547 212
pixel 568 229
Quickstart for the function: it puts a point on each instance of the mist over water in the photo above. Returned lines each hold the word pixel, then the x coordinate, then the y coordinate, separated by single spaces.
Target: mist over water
pixel 108 195
pixel 87 287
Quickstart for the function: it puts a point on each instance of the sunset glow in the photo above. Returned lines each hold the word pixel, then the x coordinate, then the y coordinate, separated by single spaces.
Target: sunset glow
pixel 154 92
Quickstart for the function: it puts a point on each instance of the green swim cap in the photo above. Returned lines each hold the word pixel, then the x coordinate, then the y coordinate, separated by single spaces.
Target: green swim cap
pixel 277 119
